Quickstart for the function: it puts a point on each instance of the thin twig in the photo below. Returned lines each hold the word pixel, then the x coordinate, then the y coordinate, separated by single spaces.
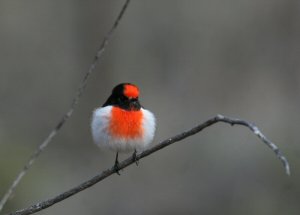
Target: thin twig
pixel 68 114
pixel 219 118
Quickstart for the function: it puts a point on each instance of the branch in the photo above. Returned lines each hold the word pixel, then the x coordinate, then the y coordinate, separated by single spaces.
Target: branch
pixel 69 113
pixel 219 118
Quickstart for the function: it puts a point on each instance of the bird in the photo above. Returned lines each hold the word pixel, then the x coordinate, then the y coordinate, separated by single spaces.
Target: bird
pixel 122 124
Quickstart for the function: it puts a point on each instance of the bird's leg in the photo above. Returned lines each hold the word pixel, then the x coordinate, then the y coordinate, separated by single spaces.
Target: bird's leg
pixel 116 166
pixel 134 157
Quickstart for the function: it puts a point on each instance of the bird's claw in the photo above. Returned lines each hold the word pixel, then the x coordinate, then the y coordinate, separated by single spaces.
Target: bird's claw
pixel 117 167
pixel 134 158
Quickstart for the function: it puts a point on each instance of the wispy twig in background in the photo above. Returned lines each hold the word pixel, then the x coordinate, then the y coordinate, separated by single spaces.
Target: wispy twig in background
pixel 69 113
pixel 219 118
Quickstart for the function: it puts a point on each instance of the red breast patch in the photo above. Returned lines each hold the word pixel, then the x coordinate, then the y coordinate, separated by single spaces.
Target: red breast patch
pixel 126 124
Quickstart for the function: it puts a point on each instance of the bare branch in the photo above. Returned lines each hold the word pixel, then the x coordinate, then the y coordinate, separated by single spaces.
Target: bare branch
pixel 68 114
pixel 219 118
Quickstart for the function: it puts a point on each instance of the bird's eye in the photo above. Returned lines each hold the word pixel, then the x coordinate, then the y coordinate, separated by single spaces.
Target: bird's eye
pixel 123 98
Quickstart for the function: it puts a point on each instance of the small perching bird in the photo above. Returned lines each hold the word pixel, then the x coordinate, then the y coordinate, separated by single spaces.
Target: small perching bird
pixel 122 124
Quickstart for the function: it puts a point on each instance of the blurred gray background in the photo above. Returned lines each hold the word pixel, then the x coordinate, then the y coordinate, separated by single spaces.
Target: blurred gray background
pixel 191 60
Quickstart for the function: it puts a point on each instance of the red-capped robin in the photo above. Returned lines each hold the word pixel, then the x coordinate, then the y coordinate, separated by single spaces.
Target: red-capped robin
pixel 122 124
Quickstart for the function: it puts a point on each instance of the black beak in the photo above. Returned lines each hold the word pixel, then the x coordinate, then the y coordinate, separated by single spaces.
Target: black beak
pixel 135 104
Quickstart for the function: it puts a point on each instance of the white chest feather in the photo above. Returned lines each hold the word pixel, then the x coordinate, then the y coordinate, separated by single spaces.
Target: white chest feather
pixel 102 134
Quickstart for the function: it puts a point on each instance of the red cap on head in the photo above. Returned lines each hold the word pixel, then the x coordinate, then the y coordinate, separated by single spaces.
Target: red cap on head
pixel 131 91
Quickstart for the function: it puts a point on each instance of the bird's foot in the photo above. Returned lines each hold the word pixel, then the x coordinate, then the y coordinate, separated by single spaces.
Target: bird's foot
pixel 134 158
pixel 117 167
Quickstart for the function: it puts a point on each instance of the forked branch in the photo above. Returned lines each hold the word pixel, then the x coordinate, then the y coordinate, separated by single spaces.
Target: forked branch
pixel 69 113
pixel 219 118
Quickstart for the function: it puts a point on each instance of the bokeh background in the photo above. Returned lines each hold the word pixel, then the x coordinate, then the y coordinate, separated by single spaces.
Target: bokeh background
pixel 192 60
